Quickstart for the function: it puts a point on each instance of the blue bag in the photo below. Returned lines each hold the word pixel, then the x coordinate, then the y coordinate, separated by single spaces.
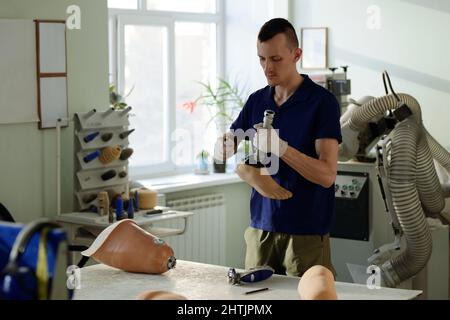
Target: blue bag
pixel 28 260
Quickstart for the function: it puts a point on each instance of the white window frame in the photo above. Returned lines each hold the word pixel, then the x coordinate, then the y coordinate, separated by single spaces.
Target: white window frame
pixel 118 18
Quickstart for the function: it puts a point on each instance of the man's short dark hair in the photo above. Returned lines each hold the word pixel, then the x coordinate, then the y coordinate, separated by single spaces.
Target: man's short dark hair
pixel 279 25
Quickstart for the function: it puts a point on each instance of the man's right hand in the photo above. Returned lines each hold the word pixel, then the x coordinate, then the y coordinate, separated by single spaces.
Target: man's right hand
pixel 225 147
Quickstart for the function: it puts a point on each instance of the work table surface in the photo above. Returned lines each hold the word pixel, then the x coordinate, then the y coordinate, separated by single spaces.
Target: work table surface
pixel 199 281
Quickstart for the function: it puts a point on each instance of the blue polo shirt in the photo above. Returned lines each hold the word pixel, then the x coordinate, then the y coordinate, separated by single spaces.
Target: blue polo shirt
pixel 311 113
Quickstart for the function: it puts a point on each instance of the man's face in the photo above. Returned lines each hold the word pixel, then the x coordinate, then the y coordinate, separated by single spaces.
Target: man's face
pixel 277 59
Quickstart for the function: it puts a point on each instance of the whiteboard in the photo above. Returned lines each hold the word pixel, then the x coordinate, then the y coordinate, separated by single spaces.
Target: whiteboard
pixel 52 73
pixel 18 92
pixel 52 47
pixel 53 101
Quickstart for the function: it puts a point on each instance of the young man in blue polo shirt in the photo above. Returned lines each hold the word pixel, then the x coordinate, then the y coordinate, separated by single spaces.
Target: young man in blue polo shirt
pixel 289 232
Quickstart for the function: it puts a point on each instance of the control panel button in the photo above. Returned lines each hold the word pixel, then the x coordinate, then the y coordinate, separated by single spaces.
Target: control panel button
pixel 349 186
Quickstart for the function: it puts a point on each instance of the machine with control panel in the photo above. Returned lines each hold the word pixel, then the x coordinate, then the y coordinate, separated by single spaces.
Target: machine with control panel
pixel 361 223
pixel 352 206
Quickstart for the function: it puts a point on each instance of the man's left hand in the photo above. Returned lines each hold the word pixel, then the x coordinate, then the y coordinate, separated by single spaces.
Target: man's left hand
pixel 267 140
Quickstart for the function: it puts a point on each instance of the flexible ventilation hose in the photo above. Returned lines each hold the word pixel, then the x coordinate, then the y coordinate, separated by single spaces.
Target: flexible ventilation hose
pixel 442 156
pixel 378 106
pixel 438 152
pixel 428 185
pixel 414 183
pixel 408 209
pixel 446 190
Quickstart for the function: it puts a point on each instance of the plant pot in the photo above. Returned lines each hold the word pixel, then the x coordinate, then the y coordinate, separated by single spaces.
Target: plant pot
pixel 203 165
pixel 220 167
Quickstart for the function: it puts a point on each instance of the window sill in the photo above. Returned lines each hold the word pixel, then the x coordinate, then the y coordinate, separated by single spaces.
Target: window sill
pixel 184 182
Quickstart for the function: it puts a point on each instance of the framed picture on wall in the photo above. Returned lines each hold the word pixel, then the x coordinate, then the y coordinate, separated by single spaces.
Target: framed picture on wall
pixel 314 46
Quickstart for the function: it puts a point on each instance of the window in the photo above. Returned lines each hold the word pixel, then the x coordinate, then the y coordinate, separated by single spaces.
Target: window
pixel 147 77
pixel 159 51
pixel 203 6
pixel 123 4
pixel 193 63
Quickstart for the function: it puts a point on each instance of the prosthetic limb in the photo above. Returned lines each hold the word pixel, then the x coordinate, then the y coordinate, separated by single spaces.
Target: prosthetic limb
pixel 254 158
pixel 259 179
pixel 124 245
pixel 317 283
pixel 255 173
pixel 160 295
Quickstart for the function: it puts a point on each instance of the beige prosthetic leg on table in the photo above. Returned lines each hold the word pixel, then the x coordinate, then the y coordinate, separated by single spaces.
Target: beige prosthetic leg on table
pixel 317 283
pixel 126 246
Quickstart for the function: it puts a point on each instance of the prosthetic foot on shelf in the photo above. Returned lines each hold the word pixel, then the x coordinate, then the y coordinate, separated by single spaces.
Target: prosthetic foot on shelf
pixel 109 154
pixel 126 153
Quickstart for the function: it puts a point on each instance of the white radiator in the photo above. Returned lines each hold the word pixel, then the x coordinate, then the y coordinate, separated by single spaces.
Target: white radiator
pixel 204 239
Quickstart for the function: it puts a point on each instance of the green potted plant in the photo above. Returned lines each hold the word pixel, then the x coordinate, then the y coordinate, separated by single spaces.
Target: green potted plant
pixel 116 100
pixel 223 101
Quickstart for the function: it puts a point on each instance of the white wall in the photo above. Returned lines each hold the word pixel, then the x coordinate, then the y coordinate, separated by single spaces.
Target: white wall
pixel 412 44
pixel 28 155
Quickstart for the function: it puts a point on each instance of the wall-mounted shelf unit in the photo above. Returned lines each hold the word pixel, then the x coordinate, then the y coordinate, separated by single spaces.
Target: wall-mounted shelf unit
pixel 100 139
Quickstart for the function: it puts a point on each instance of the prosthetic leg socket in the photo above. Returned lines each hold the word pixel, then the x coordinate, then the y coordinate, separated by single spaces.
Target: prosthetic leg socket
pixel 126 246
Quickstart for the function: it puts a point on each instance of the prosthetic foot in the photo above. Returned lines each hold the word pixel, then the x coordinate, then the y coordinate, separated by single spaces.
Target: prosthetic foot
pixel 124 245
pixel 263 183
pixel 252 275
pixel 317 283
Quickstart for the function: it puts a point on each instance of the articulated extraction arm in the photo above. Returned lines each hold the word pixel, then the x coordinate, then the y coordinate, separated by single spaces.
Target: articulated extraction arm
pixel 408 178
